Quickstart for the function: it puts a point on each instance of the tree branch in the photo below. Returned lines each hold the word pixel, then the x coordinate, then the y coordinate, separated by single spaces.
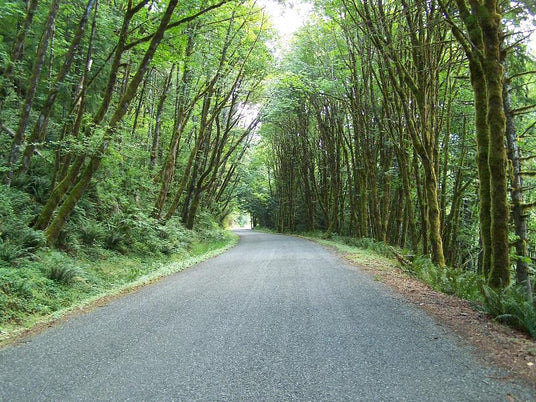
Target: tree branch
pixel 523 110
pixel 7 130
pixel 177 23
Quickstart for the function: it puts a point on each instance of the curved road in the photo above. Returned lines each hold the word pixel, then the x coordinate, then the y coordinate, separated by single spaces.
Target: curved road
pixel 275 319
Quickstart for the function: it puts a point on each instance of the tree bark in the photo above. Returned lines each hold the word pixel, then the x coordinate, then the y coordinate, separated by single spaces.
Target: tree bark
pixel 53 230
pixel 40 127
pixel 20 134
pixel 519 215
pixel 500 262
pixel 18 47
pixel 158 119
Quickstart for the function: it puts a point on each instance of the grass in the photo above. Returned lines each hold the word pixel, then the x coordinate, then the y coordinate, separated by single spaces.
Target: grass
pixel 55 283
pixel 362 256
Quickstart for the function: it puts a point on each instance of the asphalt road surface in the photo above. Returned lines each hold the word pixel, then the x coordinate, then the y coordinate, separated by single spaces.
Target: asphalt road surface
pixel 275 319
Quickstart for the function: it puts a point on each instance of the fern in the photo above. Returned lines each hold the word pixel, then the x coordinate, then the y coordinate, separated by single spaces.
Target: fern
pixel 511 306
pixel 64 275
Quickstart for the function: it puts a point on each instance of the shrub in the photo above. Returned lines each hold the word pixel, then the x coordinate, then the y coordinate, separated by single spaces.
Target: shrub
pixel 10 252
pixel 207 228
pixel 21 293
pixel 59 267
pixel 91 232
pixel 455 281
pixel 138 233
pixel 511 306
pixel 36 185
pixel 65 275
pixel 17 240
pixel 33 239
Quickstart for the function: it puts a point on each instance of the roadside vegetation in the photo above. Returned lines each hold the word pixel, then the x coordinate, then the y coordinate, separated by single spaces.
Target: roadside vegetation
pixel 130 131
pixel 413 124
pixel 121 137
pixel 94 259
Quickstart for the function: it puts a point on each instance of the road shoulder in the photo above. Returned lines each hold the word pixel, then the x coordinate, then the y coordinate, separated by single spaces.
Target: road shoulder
pixel 492 342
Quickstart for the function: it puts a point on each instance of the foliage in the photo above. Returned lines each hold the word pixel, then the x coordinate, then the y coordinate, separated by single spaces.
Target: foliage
pixel 121 134
pixel 17 240
pixel 56 281
pixel 462 283
pixel 356 145
pixel 378 247
pixel 511 306
pixel 64 274
pixel 455 281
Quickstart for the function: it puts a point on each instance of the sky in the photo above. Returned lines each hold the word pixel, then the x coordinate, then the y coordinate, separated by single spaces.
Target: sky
pixel 287 18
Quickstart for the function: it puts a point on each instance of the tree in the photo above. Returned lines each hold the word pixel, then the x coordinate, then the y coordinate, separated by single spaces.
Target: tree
pixel 481 40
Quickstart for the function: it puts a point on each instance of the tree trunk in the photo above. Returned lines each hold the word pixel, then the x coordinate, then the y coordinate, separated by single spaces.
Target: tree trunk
pixel 434 220
pixel 519 215
pixel 18 48
pixel 79 189
pixel 500 263
pixel 183 110
pixel 40 127
pixel 158 122
pixel 20 134
pixel 58 193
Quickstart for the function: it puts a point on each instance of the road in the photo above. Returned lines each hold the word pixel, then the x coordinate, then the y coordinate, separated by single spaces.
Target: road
pixel 276 318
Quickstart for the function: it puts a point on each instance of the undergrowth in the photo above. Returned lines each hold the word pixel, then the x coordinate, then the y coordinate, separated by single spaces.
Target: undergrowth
pixel 55 280
pixel 511 306
pixel 96 255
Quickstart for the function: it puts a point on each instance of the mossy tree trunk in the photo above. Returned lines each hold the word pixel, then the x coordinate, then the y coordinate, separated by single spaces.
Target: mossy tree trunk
pixel 482 45
pixel 41 125
pixel 38 64
pixel 416 81
pixel 80 186
pixel 519 215
pixel 18 51
pixel 61 189
pixel 155 145
pixel 494 71
pixel 482 141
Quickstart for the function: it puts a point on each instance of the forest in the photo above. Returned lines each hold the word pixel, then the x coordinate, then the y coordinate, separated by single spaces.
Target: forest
pixel 136 130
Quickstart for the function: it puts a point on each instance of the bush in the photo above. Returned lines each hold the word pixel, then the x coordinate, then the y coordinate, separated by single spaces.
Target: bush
pixel 511 306
pixel 65 275
pixel 138 233
pixel 91 232
pixel 21 293
pixel 454 281
pixel 460 282
pixel 10 252
pixel 207 228
pixel 370 244
pixel 36 184
pixel 17 240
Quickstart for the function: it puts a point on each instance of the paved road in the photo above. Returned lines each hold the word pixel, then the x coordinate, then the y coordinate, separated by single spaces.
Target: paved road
pixel 276 318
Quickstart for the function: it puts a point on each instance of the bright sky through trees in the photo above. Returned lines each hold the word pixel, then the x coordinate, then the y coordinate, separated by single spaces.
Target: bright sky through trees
pixel 287 18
